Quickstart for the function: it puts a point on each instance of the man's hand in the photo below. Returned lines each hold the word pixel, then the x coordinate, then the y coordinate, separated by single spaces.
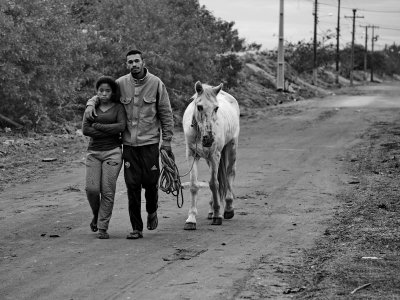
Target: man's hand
pixel 90 112
pixel 166 145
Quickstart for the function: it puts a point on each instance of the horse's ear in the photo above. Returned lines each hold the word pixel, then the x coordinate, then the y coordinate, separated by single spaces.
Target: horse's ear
pixel 217 89
pixel 198 87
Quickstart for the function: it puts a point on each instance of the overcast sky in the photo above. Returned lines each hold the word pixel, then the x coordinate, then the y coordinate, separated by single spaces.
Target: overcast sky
pixel 258 20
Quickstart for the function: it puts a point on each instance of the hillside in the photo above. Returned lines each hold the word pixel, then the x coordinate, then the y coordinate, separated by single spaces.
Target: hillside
pixel 257 83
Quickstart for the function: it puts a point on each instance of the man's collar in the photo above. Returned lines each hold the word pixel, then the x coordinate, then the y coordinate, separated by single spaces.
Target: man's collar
pixel 138 81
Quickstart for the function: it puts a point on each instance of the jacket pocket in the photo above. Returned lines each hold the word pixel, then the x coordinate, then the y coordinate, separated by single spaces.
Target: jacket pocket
pixel 149 109
pixel 149 100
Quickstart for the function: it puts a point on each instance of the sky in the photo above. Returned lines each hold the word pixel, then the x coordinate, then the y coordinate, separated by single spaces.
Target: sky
pixel 258 20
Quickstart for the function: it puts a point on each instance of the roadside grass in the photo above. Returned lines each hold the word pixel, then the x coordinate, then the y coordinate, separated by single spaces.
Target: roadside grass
pixel 25 158
pixel 361 246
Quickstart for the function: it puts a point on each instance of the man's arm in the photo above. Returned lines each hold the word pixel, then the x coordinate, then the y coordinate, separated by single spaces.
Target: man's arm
pixel 90 111
pixel 164 111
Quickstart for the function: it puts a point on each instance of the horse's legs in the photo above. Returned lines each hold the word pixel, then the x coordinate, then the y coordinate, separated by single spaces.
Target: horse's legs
pixel 211 209
pixel 214 187
pixel 194 188
pixel 230 172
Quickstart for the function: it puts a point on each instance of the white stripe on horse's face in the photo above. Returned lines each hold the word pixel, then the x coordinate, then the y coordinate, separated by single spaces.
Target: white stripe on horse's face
pixel 206 114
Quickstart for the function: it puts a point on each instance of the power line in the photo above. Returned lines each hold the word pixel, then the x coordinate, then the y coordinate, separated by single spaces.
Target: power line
pixel 385 39
pixel 366 10
pixel 385 27
pixel 348 25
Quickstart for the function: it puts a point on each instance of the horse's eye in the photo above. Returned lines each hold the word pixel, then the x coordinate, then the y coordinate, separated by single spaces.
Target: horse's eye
pixel 216 109
pixel 200 107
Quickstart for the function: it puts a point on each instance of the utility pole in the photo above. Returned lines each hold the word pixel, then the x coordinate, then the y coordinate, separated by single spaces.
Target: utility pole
pixel 337 44
pixel 373 38
pixel 352 44
pixel 366 52
pixel 280 80
pixel 315 43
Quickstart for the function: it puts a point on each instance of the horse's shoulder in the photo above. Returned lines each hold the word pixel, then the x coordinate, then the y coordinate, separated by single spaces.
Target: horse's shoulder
pixel 227 97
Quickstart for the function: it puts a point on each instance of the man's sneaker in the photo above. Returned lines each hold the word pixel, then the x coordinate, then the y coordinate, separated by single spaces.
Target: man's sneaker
pixel 136 234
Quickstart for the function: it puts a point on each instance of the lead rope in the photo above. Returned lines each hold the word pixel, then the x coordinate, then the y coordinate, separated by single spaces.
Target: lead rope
pixel 170 180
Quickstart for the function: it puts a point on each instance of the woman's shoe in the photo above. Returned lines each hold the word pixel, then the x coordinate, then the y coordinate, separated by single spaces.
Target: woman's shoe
pixel 93 226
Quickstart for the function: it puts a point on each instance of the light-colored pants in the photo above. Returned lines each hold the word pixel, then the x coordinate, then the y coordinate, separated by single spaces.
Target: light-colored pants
pixel 102 170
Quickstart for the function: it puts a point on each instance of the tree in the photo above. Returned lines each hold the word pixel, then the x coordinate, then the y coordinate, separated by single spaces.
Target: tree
pixel 391 59
pixel 39 69
pixel 52 52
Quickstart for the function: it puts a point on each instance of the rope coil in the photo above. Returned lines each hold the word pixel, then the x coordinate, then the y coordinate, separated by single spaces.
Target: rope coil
pixel 169 180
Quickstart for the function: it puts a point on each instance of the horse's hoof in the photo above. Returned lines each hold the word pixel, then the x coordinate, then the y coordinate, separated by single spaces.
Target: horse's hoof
pixel 229 214
pixel 216 221
pixel 209 216
pixel 190 226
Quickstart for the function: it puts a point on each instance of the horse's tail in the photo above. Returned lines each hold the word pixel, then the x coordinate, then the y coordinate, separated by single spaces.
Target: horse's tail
pixel 222 177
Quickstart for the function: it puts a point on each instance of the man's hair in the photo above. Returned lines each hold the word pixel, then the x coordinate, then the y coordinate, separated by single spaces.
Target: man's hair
pixel 111 82
pixel 133 52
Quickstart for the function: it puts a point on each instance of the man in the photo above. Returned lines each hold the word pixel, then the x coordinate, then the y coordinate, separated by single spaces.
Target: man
pixel 148 108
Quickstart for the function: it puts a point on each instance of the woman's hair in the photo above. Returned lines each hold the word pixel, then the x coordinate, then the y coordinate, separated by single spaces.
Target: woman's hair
pixel 111 82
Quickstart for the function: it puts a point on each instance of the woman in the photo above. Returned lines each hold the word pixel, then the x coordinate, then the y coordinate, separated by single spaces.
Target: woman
pixel 104 155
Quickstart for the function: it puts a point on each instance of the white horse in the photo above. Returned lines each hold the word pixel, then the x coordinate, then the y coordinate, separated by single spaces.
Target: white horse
pixel 211 127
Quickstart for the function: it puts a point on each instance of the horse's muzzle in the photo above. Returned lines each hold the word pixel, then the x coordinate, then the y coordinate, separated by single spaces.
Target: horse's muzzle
pixel 207 141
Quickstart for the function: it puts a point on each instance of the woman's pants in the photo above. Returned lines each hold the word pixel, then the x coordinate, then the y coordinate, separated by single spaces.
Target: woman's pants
pixel 102 170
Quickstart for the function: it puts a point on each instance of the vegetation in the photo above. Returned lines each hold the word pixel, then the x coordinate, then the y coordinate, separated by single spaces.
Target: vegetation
pixel 300 56
pixel 52 51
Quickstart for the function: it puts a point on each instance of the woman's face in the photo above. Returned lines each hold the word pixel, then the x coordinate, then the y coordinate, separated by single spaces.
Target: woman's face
pixel 104 92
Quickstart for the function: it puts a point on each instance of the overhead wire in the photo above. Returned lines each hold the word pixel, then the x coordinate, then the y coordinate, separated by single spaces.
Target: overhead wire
pixel 323 25
pixel 361 9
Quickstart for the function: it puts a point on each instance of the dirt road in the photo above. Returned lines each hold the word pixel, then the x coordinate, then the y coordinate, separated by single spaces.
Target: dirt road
pixel 289 173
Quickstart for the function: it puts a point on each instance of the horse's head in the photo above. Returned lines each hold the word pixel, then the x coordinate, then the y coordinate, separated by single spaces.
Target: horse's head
pixel 206 107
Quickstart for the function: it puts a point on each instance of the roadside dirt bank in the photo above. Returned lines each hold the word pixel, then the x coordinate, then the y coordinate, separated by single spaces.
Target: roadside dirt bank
pixel 357 257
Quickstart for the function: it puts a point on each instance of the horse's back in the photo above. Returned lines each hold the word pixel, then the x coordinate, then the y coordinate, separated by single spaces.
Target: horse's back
pixel 224 97
pixel 230 112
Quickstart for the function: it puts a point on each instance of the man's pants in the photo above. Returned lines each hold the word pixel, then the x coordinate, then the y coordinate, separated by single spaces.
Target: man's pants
pixel 102 170
pixel 141 170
